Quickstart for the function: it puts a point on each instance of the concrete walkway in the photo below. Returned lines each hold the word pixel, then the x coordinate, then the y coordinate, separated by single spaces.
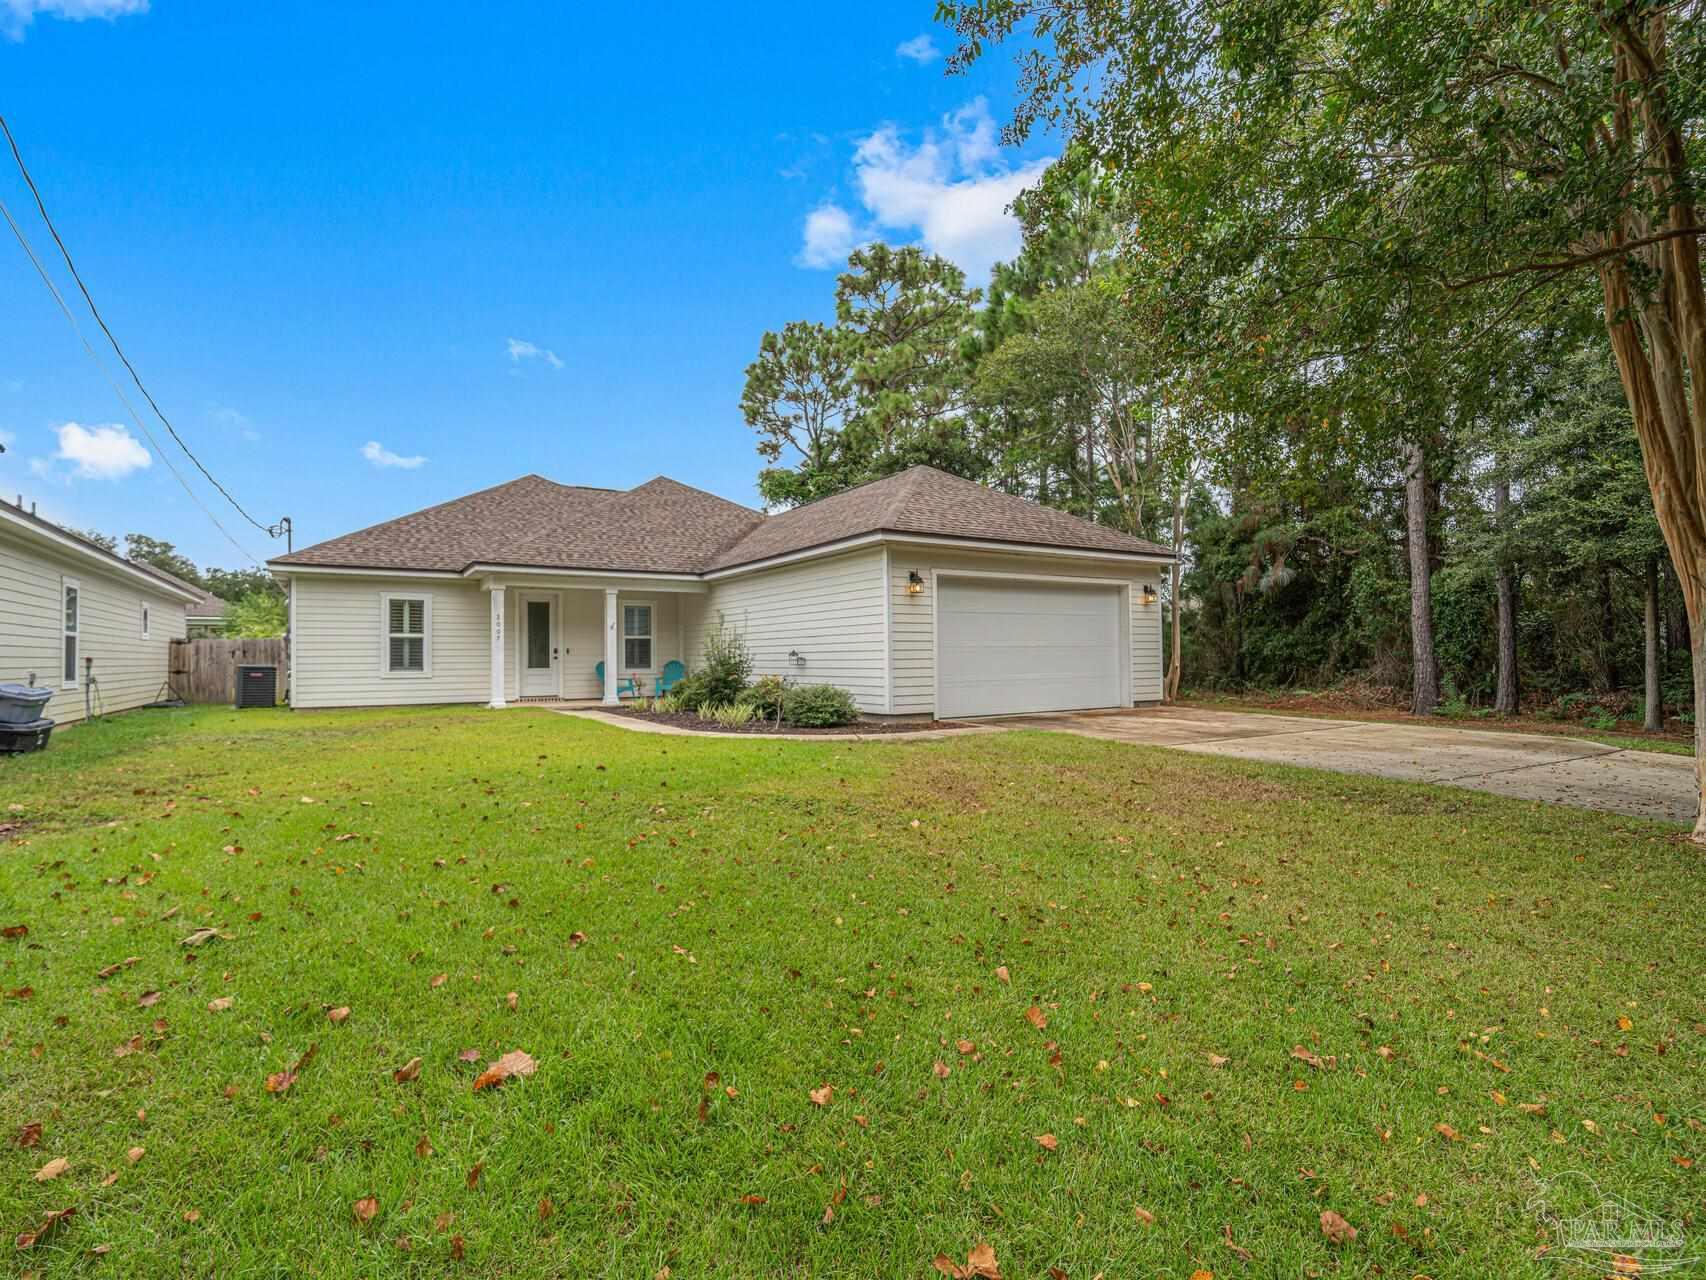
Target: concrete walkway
pixel 1556 769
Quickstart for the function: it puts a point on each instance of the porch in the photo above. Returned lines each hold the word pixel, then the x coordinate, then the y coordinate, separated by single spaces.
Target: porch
pixel 550 631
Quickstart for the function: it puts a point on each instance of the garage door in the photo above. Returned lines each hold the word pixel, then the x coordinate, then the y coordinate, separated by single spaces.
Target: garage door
pixel 1005 647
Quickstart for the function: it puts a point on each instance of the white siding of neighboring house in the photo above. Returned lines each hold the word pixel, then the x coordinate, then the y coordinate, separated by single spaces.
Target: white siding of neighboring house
pixel 336 650
pixel 830 611
pixel 129 670
pixel 913 617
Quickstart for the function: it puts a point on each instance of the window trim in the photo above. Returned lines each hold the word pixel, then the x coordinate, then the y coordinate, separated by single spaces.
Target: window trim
pixel 651 608
pixel 385 635
pixel 72 631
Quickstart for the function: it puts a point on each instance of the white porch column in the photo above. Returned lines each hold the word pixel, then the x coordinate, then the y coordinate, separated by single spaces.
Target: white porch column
pixel 612 649
pixel 498 646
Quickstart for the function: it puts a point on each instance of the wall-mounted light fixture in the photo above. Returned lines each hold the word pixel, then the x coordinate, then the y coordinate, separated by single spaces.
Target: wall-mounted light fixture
pixel 796 657
pixel 1150 595
pixel 914 583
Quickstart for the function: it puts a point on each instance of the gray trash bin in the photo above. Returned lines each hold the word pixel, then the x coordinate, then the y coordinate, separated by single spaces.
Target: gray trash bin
pixel 20 704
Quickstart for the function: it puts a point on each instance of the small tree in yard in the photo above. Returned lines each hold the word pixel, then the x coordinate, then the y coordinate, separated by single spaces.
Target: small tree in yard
pixel 1342 184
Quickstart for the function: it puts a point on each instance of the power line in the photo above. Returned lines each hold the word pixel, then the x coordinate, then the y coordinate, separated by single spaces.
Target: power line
pixel 65 253
pixel 135 417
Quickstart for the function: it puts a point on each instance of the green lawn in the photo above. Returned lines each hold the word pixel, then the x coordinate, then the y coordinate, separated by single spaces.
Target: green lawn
pixel 789 915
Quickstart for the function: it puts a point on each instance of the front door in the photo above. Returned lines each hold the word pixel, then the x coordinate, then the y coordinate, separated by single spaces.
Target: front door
pixel 538 646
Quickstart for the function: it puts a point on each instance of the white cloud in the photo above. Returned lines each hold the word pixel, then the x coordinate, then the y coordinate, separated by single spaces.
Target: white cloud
pixel 380 456
pixel 920 49
pixel 520 350
pixel 951 190
pixel 107 452
pixel 16 15
pixel 829 237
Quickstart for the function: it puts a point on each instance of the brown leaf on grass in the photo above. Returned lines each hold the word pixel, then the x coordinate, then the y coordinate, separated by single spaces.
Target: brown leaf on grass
pixel 442 1223
pixel 220 1005
pixel 410 1070
pixel 199 936
pixel 469 1055
pixel 474 1174
pixel 130 1046
pixel 577 938
pixel 1336 1229
pixel 1447 1132
pixel 823 1095
pixel 456 1249
pixel 423 1148
pixel 29 1135
pixel 512 999
pixel 280 1081
pixel 337 1015
pixel 192 1215
pixel 135 1154
pixel 1001 972
pixel 15 931
pixel 148 999
pixel 1240 1250
pixel 965 1046
pixel 1047 1141
pixel 1386 1051
pixel 513 1063
pixel 438 980
pixel 1313 1059
pixel 1144 1217
pixel 749 1198
pixel 546 1208
pixel 1216 1061
pixel 942 1070
pixel 52 1169
pixel 980 1264
pixel 1036 1017
pixel 366 1209
pixel 29 1239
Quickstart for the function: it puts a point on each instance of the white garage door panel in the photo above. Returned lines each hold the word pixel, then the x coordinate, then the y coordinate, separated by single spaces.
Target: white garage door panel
pixel 1010 647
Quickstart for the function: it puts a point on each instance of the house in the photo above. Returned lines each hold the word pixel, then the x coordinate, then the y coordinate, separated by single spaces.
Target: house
pixel 921 593
pixel 82 620
pixel 205 616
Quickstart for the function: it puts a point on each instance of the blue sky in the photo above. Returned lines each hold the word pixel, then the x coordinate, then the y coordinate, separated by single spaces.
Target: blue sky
pixel 369 257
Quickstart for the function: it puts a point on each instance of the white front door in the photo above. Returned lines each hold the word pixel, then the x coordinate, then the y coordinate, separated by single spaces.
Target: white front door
pixel 1009 646
pixel 538 646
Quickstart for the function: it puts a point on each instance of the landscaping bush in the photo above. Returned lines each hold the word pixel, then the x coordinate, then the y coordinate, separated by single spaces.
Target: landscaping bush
pixel 766 695
pixel 729 714
pixel 819 706
pixel 689 693
pixel 727 667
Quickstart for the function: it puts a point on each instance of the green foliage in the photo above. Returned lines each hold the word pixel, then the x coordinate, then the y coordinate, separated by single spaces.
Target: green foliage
pixel 725 670
pixel 819 706
pixel 260 613
pixel 729 714
pixel 162 555
pixel 766 695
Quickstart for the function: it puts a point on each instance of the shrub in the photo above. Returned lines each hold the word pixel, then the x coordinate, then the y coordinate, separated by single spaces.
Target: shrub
pixel 665 703
pixel 689 693
pixel 819 706
pixel 729 714
pixel 765 695
pixel 727 668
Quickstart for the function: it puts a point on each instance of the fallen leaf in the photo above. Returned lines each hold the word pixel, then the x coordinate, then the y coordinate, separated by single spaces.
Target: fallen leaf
pixel 1144 1217
pixel 1447 1132
pixel 456 1249
pixel 469 1055
pixel 220 1005
pixel 474 1174
pixel 1336 1229
pixel 280 1081
pixel 52 1169
pixel 1216 1061
pixel 148 999
pixel 1314 1060
pixel 749 1198
pixel 135 1154
pixel 1036 1017
pixel 423 1148
pixel 366 1209
pixel 980 1265
pixel 410 1070
pixel 1047 1141
pixel 1001 972
pixel 823 1095
pixel 513 1063
pixel 546 1208
pixel 942 1070
pixel 28 1239
pixel 438 980
pixel 511 999
pixel 29 1135
pixel 15 931
pixel 198 937
pixel 337 1015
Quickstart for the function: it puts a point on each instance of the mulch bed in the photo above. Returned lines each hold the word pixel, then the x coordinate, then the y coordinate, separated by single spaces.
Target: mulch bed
pixel 689 720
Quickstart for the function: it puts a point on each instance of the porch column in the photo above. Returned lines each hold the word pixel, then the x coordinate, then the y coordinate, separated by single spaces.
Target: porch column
pixel 497 594
pixel 611 649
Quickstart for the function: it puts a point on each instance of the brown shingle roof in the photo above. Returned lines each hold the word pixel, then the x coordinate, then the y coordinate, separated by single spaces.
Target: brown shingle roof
pixel 664 526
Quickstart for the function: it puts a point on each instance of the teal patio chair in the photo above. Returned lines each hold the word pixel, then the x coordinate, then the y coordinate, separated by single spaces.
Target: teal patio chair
pixel 673 673
pixel 626 686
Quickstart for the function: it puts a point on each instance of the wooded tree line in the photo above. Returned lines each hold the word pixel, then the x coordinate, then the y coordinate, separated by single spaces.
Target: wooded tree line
pixel 254 602
pixel 1389 316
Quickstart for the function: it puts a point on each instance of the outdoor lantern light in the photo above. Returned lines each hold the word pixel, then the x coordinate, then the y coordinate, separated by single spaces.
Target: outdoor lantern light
pixel 914 584
pixel 1150 595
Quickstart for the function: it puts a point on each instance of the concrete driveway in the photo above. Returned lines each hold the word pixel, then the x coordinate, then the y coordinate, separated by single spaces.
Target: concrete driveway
pixel 1557 769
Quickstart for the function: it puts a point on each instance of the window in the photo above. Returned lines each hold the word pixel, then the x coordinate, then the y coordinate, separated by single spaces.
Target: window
pixel 145 622
pixel 407 625
pixel 637 637
pixel 72 592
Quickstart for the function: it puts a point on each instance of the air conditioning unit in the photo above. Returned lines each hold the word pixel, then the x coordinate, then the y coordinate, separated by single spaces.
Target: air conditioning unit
pixel 257 686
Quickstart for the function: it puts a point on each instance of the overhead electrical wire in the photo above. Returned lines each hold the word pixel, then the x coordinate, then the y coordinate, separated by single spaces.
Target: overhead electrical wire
pixel 41 208
pixel 118 391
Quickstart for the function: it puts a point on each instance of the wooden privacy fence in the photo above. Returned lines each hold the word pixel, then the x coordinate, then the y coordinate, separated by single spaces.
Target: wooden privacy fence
pixel 206 670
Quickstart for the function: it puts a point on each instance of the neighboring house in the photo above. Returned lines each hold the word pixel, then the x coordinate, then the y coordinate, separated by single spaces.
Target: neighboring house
pixel 922 593
pixel 64 601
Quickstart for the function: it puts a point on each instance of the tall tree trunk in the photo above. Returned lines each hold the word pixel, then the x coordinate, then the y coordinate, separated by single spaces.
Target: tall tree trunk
pixel 1506 695
pixel 1424 698
pixel 1654 720
pixel 1172 689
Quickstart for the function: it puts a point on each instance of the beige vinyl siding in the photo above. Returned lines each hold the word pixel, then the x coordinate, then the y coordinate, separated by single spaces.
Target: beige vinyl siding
pixel 336 651
pixel 830 611
pixel 913 618
pixel 580 637
pixel 129 670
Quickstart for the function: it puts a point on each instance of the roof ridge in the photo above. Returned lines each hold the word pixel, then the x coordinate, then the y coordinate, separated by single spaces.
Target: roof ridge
pixel 437 506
